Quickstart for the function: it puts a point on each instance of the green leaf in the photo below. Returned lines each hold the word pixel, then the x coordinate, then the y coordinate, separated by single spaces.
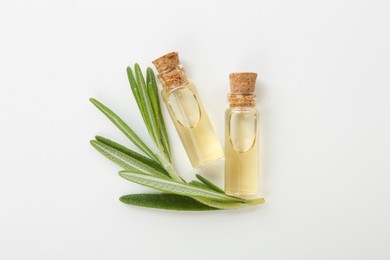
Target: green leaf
pixel 125 161
pixel 221 204
pixel 137 95
pixel 153 99
pixel 198 184
pixel 253 202
pixel 150 77
pixel 131 153
pixel 147 106
pixel 155 123
pixel 165 201
pixel 230 205
pixel 124 128
pixel 153 93
pixel 209 183
pixel 175 187
pixel 163 140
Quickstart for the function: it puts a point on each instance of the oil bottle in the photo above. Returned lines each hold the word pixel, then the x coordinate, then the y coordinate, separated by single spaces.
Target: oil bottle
pixel 187 112
pixel 241 137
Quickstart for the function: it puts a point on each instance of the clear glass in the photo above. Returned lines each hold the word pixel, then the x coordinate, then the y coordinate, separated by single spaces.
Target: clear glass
pixel 192 124
pixel 241 152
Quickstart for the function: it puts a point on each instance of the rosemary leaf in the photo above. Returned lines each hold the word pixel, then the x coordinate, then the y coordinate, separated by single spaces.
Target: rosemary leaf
pixel 175 187
pixel 221 204
pixel 231 205
pixel 164 144
pixel 153 99
pixel 209 183
pixel 131 153
pixel 137 95
pixel 125 161
pixel 124 128
pixel 153 91
pixel 165 201
pixel 147 106
pixel 198 184
pixel 253 202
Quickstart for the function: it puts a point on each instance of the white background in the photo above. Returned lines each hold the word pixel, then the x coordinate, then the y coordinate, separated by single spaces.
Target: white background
pixel 323 88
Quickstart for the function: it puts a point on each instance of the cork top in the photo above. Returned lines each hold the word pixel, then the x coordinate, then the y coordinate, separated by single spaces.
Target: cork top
pixel 167 62
pixel 173 78
pixel 171 74
pixel 242 82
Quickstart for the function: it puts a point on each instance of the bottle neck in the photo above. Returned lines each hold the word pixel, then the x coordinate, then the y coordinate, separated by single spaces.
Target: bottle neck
pixel 173 78
pixel 246 100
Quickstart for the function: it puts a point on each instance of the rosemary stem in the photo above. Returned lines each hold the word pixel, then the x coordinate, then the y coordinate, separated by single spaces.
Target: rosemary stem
pixel 169 167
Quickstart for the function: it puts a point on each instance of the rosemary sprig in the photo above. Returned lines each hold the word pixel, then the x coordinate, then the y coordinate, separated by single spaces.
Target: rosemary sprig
pixel 155 170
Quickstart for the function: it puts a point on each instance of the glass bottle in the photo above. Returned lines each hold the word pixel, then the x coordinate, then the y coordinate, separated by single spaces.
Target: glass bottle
pixel 241 137
pixel 187 112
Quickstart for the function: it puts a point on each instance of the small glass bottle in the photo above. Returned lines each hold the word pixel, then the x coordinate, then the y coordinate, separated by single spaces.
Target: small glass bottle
pixel 187 112
pixel 241 137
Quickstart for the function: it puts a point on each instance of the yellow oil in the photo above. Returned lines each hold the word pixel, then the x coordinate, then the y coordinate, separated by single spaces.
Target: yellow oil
pixel 193 125
pixel 241 152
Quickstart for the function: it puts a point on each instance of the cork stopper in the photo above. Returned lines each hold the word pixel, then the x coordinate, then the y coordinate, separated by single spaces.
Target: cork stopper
pixel 242 82
pixel 167 62
pixel 173 78
pixel 171 74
